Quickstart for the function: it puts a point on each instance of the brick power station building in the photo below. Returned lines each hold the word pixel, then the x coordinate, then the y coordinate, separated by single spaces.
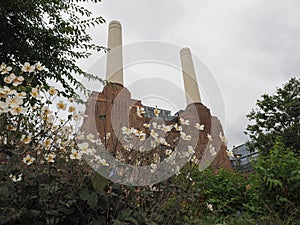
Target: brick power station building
pixel 113 108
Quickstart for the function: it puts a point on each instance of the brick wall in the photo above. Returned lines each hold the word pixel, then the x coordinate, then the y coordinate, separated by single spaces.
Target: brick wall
pixel 113 108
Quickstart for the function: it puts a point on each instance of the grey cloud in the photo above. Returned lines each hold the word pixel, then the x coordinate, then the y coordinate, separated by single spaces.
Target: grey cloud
pixel 251 46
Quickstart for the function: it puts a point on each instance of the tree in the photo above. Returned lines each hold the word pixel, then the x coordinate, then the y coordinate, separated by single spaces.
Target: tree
pixel 52 32
pixel 275 116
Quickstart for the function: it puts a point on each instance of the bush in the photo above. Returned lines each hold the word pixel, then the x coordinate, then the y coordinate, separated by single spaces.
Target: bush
pixel 278 176
pixel 42 174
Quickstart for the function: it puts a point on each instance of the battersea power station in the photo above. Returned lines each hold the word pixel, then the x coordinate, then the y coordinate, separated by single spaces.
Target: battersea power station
pixel 143 136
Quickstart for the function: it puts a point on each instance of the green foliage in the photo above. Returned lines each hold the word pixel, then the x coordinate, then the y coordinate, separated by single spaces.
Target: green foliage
pixel 278 175
pixel 234 198
pixel 65 198
pixel 276 134
pixel 276 115
pixel 226 191
pixel 52 32
pixel 184 198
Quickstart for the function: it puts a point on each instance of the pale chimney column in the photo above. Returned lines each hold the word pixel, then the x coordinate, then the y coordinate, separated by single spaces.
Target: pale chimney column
pixel 192 93
pixel 114 63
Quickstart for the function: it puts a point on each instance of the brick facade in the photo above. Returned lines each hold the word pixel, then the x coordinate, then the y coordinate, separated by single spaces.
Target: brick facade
pixel 113 108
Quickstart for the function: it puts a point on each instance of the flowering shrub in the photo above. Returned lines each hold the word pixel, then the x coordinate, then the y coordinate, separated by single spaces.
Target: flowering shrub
pixel 44 179
pixel 31 131
pixel 41 166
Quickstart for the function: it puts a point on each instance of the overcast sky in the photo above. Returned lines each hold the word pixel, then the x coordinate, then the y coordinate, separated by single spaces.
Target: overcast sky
pixel 250 46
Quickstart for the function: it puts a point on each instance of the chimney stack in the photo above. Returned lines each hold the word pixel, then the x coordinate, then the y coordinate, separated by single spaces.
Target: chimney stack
pixel 114 63
pixel 192 93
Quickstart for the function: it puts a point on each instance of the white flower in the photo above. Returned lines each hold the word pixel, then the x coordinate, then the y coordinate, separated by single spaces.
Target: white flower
pixel 146 125
pixel 77 116
pixel 92 151
pixel 46 110
pixel 133 130
pixel 91 137
pixel 39 66
pixel 141 135
pixel 18 80
pixel 210 207
pixel 140 111
pixel 107 136
pixel 229 153
pixel 212 150
pixel 50 157
pixel 199 127
pixel 209 137
pixel 13 92
pixel 35 93
pixel 15 101
pixel 103 162
pixel 156 111
pixel 166 128
pixel 128 147
pixel 61 105
pixel 2 66
pixel 28 159
pixel 14 177
pixel 47 143
pixel 80 135
pixel 52 91
pixel 171 158
pixel 223 138
pixel 18 110
pixel 153 167
pixel 7 80
pixel 156 158
pixel 26 139
pixel 162 141
pixel 5 90
pixel 142 148
pixel 153 134
pixel 154 125
pixel 11 127
pixel 75 154
pixel 3 107
pixel 72 109
pixel 5 69
pixel 83 147
pixel 10 78
pixel 168 151
pixel 21 94
pixel 27 67
pixel 185 137
pixel 126 131
pixel 194 159
pixel 177 127
pixel 153 144
pixel 97 158
pixel 188 177
pixel 191 149
pixel 184 122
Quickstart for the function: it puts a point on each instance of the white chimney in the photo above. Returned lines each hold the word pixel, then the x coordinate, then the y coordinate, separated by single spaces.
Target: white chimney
pixel 192 93
pixel 114 64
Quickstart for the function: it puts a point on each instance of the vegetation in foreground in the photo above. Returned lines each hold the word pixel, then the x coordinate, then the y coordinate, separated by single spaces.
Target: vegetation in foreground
pixel 45 181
